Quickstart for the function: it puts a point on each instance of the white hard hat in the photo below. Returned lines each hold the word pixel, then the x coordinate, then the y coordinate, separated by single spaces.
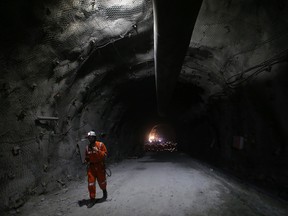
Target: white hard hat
pixel 91 133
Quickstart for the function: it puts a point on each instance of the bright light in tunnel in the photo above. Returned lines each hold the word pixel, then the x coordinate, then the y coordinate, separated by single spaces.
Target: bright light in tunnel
pixel 161 138
pixel 151 138
pixel 154 136
pixel 161 133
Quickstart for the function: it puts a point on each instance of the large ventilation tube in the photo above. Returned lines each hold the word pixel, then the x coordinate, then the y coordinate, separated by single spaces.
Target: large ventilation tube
pixel 173 25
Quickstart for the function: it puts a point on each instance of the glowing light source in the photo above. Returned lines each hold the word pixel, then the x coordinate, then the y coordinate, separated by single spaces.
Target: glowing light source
pixel 151 138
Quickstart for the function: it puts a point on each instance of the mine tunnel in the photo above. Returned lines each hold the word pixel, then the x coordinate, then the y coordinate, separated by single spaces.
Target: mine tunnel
pixel 209 76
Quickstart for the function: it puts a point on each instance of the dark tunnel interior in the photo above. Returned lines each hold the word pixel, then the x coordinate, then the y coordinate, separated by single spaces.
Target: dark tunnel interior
pixel 70 66
pixel 140 115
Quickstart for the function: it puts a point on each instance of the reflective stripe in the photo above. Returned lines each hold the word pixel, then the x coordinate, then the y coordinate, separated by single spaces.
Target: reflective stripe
pixel 91 184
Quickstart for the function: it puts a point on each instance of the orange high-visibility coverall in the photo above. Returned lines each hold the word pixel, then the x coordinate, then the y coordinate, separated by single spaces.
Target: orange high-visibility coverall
pixel 96 167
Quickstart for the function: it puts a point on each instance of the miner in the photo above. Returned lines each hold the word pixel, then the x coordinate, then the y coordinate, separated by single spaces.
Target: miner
pixel 95 155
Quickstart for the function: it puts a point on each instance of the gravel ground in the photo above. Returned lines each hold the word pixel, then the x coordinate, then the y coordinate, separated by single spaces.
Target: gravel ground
pixel 160 184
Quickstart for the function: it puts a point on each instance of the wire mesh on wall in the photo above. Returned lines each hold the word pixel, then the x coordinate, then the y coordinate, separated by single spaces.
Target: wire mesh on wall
pixel 33 77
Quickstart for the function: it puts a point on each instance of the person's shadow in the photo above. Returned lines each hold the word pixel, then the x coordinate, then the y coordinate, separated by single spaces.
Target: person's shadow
pixel 87 201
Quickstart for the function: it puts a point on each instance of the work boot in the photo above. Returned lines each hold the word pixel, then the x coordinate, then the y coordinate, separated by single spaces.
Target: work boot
pixel 91 203
pixel 104 194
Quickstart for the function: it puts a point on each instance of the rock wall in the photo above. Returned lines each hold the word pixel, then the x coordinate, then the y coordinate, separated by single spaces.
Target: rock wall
pixel 61 64
pixel 238 57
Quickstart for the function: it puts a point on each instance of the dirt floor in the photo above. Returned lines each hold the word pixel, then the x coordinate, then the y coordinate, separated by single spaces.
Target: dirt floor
pixel 160 184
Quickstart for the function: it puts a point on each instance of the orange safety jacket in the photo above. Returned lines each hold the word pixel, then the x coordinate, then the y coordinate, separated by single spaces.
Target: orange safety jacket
pixel 96 154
